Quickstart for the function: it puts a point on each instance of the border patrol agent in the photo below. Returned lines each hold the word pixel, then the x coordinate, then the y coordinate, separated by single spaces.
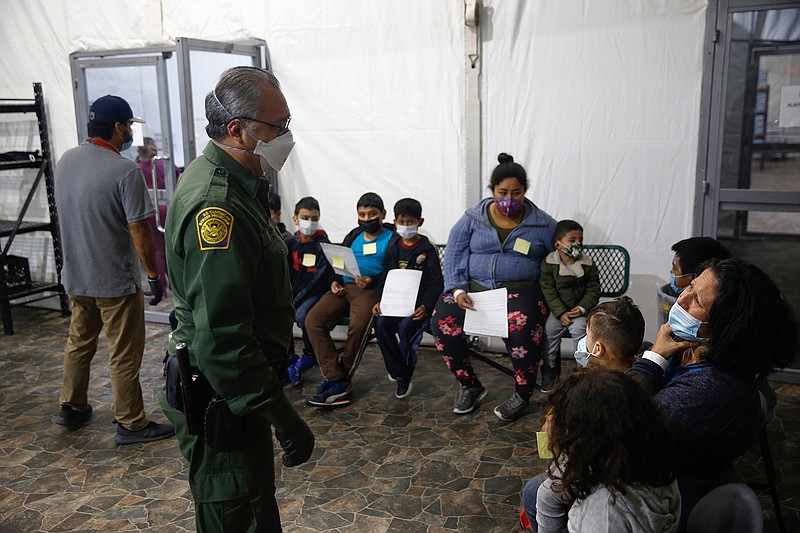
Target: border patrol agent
pixel 233 303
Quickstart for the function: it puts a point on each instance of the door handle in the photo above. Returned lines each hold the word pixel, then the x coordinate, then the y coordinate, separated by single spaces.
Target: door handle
pixel 154 181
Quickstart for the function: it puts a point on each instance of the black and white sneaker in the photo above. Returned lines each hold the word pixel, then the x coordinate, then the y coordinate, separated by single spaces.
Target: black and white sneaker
pixel 404 388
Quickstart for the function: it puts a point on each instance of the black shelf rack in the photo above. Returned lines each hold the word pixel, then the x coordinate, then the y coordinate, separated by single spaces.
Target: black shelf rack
pixel 15 282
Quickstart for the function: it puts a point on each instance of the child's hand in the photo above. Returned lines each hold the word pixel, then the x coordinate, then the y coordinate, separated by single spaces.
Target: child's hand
pixel 362 282
pixel 376 309
pixel 419 313
pixel 575 312
pixel 337 289
pixel 565 319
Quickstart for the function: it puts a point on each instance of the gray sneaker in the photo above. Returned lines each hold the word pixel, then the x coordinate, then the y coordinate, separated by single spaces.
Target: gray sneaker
pixel 467 398
pixel 511 409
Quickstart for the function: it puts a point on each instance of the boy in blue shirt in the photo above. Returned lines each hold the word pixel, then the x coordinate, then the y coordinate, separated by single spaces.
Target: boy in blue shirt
pixel 358 296
pixel 310 275
pixel 408 250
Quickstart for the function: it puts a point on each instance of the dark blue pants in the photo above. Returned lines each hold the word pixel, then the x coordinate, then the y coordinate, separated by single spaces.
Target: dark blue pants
pixel 400 355
pixel 300 315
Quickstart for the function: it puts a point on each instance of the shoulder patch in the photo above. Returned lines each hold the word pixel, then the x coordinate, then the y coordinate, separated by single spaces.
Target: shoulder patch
pixel 214 228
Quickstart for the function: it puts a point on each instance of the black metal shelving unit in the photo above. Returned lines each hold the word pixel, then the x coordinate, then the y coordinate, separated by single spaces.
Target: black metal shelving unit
pixel 15 282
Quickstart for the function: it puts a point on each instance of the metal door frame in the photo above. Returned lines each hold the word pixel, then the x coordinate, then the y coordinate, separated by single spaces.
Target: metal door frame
pixel 709 197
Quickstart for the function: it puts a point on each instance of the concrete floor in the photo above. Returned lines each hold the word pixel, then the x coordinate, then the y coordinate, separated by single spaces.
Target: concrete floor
pixel 381 464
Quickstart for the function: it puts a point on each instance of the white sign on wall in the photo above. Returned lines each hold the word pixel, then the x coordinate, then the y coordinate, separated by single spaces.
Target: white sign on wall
pixel 790 107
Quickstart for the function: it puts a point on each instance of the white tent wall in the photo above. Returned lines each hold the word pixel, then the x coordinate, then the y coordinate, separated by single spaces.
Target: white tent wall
pixel 600 102
pixel 598 99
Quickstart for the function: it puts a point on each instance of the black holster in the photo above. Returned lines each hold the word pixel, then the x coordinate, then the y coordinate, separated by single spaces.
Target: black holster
pixel 208 412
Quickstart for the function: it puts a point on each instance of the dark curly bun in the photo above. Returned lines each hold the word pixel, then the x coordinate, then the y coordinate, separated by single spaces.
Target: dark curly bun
pixel 504 158
pixel 508 169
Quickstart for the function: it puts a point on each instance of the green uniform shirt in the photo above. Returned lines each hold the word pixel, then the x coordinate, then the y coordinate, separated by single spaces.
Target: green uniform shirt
pixel 230 281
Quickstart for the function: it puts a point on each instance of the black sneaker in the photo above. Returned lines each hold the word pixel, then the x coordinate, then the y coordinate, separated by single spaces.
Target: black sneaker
pixel 467 398
pixel 404 388
pixel 512 408
pixel 150 432
pixel 73 418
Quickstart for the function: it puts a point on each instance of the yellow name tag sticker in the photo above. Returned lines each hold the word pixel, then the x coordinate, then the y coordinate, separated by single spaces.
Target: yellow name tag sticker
pixel 309 260
pixel 338 262
pixel 370 248
pixel 214 228
pixel 543 444
pixel 521 246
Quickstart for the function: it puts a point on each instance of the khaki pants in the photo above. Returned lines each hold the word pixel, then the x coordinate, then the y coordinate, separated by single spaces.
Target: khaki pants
pixel 324 316
pixel 123 318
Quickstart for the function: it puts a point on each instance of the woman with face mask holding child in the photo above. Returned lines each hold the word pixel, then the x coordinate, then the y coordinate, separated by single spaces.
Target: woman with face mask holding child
pixel 728 325
pixel 498 243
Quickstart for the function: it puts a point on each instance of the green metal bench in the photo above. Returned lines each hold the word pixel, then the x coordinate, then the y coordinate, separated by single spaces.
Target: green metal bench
pixel 613 263
pixel 614 267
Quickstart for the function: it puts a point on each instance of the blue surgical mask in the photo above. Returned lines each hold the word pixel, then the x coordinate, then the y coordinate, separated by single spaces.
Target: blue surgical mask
pixel 684 325
pixel 581 354
pixel 673 282
pixel 127 144
pixel 673 285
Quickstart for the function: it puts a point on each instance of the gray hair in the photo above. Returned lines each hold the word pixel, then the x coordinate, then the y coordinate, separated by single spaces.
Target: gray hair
pixel 238 94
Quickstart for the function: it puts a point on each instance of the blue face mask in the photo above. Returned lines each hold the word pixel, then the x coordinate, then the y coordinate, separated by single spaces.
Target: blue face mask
pixel 127 144
pixel 581 355
pixel 684 325
pixel 673 282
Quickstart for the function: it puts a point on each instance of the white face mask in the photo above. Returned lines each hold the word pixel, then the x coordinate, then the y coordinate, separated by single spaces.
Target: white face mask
pixel 407 232
pixel 275 152
pixel 582 355
pixel 308 227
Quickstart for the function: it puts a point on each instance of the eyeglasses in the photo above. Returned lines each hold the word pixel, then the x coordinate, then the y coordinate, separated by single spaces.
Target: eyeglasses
pixel 282 128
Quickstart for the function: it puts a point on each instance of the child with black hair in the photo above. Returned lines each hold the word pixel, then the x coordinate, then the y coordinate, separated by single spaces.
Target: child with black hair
pixel 571 286
pixel 310 275
pixel 614 334
pixel 354 295
pixel 612 469
pixel 274 201
pixel 408 250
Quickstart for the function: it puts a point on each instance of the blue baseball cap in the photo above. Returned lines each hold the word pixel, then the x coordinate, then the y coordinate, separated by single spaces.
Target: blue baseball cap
pixel 111 108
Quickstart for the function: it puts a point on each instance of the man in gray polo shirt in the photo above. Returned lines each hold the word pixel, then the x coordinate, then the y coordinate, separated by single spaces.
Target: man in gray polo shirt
pixel 104 208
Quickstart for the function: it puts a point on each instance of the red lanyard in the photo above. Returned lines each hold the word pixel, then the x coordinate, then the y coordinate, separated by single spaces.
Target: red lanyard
pixel 101 142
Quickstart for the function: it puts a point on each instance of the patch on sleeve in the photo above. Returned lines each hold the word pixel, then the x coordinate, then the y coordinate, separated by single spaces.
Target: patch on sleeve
pixel 214 228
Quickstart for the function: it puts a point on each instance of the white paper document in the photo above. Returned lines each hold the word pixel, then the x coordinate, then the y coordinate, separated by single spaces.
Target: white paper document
pixel 400 292
pixel 341 259
pixel 490 316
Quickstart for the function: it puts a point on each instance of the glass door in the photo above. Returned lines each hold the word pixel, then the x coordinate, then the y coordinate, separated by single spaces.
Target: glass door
pixel 155 81
pixel 751 188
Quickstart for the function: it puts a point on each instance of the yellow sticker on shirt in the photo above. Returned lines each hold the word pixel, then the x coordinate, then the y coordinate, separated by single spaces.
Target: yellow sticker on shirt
pixel 522 246
pixel 543 444
pixel 214 228
pixel 370 248
pixel 338 262
pixel 309 260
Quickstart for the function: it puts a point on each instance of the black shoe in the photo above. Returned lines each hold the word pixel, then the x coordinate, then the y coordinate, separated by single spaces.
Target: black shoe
pixel 150 432
pixel 73 418
pixel 404 388
pixel 467 398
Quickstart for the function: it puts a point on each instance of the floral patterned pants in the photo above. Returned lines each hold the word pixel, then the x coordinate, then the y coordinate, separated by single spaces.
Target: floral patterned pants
pixel 527 312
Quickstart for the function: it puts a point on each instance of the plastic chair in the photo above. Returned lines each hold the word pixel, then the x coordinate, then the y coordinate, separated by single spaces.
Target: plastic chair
pixel 768 402
pixel 730 508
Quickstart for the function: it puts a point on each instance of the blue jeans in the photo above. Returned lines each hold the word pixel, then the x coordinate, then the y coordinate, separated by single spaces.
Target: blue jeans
pixel 300 315
pixel 546 509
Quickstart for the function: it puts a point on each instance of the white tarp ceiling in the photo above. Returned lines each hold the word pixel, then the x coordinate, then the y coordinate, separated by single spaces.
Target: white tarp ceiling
pixel 598 99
